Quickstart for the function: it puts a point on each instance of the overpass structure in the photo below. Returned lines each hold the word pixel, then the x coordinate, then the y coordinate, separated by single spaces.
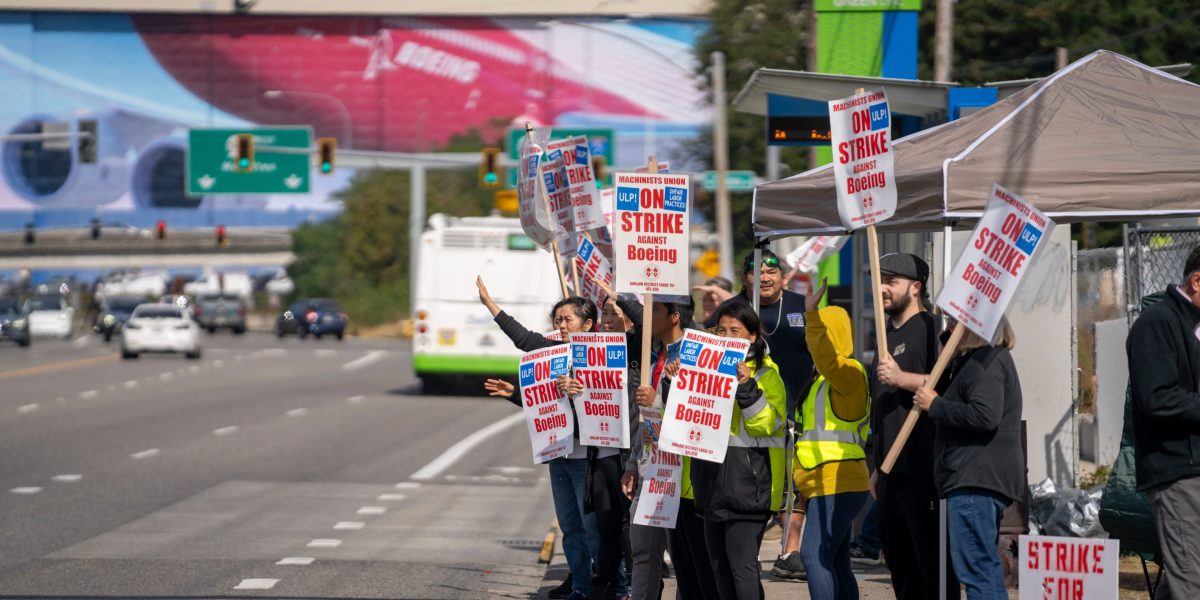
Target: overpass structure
pixel 76 249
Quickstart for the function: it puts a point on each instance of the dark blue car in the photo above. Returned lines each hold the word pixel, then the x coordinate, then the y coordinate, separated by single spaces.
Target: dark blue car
pixel 316 316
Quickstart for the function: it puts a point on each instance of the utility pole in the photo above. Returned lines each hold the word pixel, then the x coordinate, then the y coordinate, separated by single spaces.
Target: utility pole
pixel 721 165
pixel 943 41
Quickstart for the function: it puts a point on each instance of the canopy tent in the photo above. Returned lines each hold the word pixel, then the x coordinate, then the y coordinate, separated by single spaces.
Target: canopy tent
pixel 1106 138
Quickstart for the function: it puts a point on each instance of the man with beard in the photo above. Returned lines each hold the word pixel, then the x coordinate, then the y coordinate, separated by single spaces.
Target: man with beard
pixel 906 511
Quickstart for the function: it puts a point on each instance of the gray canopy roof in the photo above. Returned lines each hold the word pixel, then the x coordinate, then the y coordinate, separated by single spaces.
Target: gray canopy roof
pixel 1106 138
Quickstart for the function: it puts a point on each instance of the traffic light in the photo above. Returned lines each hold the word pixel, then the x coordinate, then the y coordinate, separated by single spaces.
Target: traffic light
pixel 326 149
pixel 221 241
pixel 244 159
pixel 86 141
pixel 160 230
pixel 490 171
pixel 599 168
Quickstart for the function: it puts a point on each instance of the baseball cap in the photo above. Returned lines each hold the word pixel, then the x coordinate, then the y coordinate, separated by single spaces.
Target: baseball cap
pixel 904 265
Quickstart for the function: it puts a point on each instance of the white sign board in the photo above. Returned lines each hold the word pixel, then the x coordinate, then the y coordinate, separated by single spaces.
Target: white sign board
pixel 651 233
pixel 662 477
pixel 547 410
pixel 558 197
pixel 997 257
pixel 862 158
pixel 696 421
pixel 593 268
pixel 585 198
pixel 808 256
pixel 1063 568
pixel 535 221
pixel 600 361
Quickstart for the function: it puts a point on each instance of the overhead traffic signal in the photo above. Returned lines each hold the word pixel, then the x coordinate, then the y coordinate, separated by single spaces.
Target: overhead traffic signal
pixel 222 241
pixel 326 149
pixel 244 154
pixel 490 171
pixel 86 141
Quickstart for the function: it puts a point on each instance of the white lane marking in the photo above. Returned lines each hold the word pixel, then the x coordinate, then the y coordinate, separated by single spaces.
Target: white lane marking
pixel 407 485
pixel 61 400
pixel 274 352
pixel 25 490
pixel 349 525
pixel 225 430
pixel 132 383
pixel 256 584
pixel 324 543
pixel 297 412
pixel 457 451
pixel 295 560
pixel 356 399
pixel 371 510
pixel 194 369
pixel 166 376
pixel 144 454
pixel 386 497
pixel 325 352
pixel 71 478
pixel 89 394
pixel 370 358
pixel 218 363
pixel 80 341
pixel 28 408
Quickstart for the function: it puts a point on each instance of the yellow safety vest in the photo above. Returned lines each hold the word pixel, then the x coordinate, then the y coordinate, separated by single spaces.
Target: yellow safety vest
pixel 825 437
pixel 765 417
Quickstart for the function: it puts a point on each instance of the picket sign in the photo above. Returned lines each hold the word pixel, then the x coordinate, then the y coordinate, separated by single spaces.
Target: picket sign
pixel 984 281
pixel 806 258
pixel 548 414
pixel 596 269
pixel 662 478
pixel 1065 568
pixel 864 171
pixel 533 208
pixel 696 421
pixel 577 165
pixel 599 362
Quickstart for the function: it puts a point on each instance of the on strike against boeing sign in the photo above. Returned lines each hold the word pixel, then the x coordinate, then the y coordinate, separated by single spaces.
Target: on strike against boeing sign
pixel 863 166
pixel 652 233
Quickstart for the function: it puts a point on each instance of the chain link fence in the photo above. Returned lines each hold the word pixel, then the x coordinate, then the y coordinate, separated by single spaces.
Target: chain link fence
pixel 1155 257
pixel 1100 288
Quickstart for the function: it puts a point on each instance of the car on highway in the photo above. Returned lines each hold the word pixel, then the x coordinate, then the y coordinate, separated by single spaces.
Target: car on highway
pixel 160 328
pixel 230 282
pixel 316 316
pixel 50 315
pixel 114 312
pixel 14 323
pixel 213 311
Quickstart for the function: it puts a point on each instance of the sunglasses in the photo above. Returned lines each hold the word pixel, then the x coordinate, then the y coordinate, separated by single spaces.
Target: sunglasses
pixel 771 262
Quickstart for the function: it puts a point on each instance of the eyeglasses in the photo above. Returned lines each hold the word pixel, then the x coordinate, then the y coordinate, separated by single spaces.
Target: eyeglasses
pixel 771 262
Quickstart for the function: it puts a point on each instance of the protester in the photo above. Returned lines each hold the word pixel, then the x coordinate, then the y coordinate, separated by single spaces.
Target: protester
pixel 979 466
pixel 906 510
pixel 831 469
pixel 588 475
pixel 1164 367
pixel 737 497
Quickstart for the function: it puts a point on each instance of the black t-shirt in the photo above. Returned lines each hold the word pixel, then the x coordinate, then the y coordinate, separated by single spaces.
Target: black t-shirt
pixel 914 346
pixel 783 324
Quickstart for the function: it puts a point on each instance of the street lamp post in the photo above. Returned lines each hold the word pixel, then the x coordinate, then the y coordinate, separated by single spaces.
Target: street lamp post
pixel 348 131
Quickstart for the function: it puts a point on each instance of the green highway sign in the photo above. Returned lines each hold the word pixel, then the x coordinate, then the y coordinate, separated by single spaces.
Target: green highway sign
pixel 735 181
pixel 601 141
pixel 281 161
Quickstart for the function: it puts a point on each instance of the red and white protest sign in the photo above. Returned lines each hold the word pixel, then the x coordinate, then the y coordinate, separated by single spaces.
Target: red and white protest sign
pixel 1063 568
pixel 808 256
pixel 577 164
pixel 996 259
pixel 651 233
pixel 662 476
pixel 558 198
pixel 696 421
pixel 547 410
pixel 593 268
pixel 863 165
pixel 535 221
pixel 600 361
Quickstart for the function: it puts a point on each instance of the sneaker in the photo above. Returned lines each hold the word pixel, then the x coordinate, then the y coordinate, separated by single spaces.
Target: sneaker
pixel 789 566
pixel 859 557
pixel 563 590
pixel 576 595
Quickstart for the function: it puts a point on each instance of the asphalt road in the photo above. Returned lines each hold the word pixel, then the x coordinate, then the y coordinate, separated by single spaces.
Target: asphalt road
pixel 310 469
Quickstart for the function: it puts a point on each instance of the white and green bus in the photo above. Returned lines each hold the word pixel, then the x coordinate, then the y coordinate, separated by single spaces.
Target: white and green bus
pixel 453 334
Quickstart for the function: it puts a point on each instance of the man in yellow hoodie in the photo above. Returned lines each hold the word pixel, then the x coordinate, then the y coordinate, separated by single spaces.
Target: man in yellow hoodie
pixel 831 468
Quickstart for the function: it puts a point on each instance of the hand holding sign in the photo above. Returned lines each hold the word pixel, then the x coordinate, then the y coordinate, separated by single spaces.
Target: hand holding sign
pixel 924 398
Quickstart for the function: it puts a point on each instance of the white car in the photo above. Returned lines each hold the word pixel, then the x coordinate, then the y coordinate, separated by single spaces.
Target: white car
pixel 160 328
pixel 50 316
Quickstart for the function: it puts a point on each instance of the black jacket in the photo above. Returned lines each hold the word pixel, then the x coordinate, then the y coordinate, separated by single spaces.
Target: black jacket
pixel 740 487
pixel 977 443
pixel 1164 365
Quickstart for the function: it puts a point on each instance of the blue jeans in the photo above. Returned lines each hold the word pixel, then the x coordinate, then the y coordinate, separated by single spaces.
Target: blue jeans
pixel 973 520
pixel 579 539
pixel 825 547
pixel 868 537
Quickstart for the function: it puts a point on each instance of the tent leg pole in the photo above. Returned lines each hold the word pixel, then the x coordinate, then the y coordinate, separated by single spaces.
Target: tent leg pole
pixel 942 524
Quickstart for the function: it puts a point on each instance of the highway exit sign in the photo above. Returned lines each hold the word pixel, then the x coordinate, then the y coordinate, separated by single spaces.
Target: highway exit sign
pixel 735 181
pixel 281 161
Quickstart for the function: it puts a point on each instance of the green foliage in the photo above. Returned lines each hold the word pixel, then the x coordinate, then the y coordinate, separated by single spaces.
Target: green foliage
pixel 1096 478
